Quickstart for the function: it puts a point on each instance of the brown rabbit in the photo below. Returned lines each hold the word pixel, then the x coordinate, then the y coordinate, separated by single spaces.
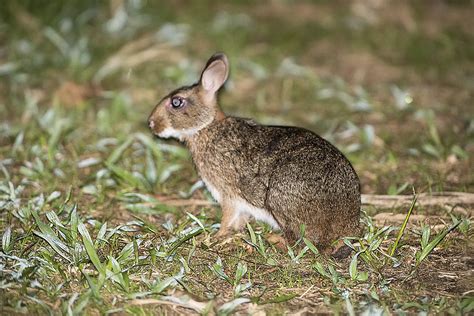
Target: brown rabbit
pixel 284 176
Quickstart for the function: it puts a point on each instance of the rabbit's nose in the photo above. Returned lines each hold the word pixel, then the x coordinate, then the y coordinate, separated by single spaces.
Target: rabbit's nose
pixel 151 124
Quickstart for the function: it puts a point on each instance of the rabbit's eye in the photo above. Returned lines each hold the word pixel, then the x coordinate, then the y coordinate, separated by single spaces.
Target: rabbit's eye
pixel 177 102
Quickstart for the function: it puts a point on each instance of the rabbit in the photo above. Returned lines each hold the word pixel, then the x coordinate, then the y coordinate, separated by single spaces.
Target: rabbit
pixel 284 176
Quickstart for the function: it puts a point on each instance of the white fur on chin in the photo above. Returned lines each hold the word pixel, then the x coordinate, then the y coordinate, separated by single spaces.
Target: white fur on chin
pixel 178 134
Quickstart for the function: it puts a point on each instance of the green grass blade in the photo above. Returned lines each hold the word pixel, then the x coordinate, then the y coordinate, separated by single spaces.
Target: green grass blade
pixel 54 244
pixel 196 220
pixel 253 238
pixel 90 249
pixel 229 307
pixel 425 236
pixel 101 234
pixel 353 267
pixel 404 225
pixel 50 237
pixel 321 270
pixel 311 246
pixel 151 173
pixel 118 274
pixel 148 142
pixel 184 239
pixel 218 269
pixel 353 272
pixel 74 221
pixel 92 286
pixel 6 240
pixel 126 176
pixel 279 299
pixel 118 152
pixel 239 272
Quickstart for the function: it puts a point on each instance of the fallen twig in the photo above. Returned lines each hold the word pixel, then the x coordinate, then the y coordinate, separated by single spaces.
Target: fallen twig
pixel 424 199
pixel 379 201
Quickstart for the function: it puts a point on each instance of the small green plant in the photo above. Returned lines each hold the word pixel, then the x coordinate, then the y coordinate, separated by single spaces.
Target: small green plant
pixel 464 226
pixel 240 272
pixel 369 247
pixel 428 246
pixel 354 273
pixel 328 271
pixel 256 241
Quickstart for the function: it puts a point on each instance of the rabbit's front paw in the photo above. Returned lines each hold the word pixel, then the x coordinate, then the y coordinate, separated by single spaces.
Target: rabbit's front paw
pixel 224 236
pixel 222 232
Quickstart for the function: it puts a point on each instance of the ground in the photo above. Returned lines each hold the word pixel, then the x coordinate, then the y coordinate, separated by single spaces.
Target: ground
pixel 98 217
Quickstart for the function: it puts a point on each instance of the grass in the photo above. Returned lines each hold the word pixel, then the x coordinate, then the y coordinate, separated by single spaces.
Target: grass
pixel 98 217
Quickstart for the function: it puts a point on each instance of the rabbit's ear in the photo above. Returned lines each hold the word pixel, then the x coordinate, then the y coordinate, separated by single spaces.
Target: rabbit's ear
pixel 215 73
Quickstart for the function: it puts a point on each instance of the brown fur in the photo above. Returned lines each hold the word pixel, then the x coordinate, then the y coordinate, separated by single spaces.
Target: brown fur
pixel 289 173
